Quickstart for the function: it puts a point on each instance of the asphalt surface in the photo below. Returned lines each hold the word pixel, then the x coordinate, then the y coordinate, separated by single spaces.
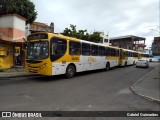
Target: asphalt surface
pixel 90 91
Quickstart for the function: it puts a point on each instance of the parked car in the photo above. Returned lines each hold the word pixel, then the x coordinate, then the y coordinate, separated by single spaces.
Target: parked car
pixel 142 63
pixel 153 60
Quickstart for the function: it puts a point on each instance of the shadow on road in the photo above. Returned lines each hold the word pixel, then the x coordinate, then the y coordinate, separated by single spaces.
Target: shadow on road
pixel 57 78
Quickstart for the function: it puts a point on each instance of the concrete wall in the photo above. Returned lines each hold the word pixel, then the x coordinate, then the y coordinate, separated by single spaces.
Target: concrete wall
pixel 12 33
pixel 6 21
pixel 19 23
pixel 12 26
pixel 12 21
pixel 156 49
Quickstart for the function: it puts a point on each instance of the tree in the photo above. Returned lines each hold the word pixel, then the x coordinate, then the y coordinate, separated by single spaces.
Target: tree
pixel 82 34
pixel 25 8
pixel 95 37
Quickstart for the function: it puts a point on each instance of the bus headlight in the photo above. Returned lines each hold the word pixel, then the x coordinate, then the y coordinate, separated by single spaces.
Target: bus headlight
pixel 43 66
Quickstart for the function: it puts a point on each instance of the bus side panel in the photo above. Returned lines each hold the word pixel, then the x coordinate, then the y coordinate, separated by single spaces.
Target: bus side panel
pixel 79 65
pixel 58 68
pixel 102 62
pixel 113 60
pixel 61 65
pixel 135 59
pixel 130 61
pixel 88 63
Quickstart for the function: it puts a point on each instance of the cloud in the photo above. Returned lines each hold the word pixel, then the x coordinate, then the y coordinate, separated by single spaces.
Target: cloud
pixel 119 17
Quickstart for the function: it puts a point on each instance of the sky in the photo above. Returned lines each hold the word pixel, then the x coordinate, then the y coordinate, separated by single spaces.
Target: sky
pixel 113 17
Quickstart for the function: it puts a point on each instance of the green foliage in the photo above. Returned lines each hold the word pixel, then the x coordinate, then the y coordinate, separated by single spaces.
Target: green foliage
pixel 24 8
pixel 82 34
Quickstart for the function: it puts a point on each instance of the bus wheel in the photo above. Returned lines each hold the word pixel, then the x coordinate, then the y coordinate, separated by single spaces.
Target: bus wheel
pixel 70 71
pixel 125 64
pixel 107 66
pixel 134 63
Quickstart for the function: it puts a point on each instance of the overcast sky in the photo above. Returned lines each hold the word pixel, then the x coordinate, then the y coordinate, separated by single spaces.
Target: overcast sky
pixel 116 17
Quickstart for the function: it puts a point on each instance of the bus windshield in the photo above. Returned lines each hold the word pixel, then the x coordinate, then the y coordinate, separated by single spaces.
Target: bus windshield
pixel 37 50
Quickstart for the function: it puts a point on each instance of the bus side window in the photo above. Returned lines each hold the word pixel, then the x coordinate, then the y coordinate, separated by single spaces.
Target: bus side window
pixel 112 52
pixel 124 55
pixel 74 48
pixel 54 48
pixel 58 48
pixel 117 53
pixel 121 55
pixel 85 49
pixel 94 50
pixel 129 54
pixel 101 51
pixel 107 51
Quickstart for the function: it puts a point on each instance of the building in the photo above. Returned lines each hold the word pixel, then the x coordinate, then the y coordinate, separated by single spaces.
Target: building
pixel 38 27
pixel 41 27
pixel 156 47
pixel 129 42
pixel 149 51
pixel 12 35
pixel 105 39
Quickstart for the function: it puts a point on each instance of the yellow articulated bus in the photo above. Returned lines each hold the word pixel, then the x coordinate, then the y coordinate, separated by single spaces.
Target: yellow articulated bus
pixel 52 54
pixel 128 57
pixel 144 56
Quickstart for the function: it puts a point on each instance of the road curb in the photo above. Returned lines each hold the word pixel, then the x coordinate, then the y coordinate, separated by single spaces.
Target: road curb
pixel 145 96
pixel 140 94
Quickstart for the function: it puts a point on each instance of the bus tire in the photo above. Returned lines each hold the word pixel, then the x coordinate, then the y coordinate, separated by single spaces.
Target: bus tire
pixel 70 71
pixel 107 66
pixel 134 63
pixel 125 64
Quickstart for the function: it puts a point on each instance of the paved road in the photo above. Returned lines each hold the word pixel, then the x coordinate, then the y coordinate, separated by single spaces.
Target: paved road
pixel 96 91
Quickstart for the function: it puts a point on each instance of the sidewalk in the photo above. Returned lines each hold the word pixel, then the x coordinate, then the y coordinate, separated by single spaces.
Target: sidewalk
pixel 17 71
pixel 149 86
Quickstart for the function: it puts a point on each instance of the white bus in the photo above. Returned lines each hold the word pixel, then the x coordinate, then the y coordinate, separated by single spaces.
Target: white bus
pixel 128 57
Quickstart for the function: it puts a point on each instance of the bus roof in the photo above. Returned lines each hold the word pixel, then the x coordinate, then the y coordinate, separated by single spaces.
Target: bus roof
pixel 84 41
pixel 75 39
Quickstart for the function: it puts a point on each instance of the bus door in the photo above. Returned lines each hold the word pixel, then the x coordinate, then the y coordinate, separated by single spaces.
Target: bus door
pixel 58 48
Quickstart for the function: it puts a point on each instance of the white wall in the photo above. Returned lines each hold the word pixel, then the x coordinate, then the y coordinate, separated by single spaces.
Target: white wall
pixel 6 22
pixel 19 23
pixel 12 21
